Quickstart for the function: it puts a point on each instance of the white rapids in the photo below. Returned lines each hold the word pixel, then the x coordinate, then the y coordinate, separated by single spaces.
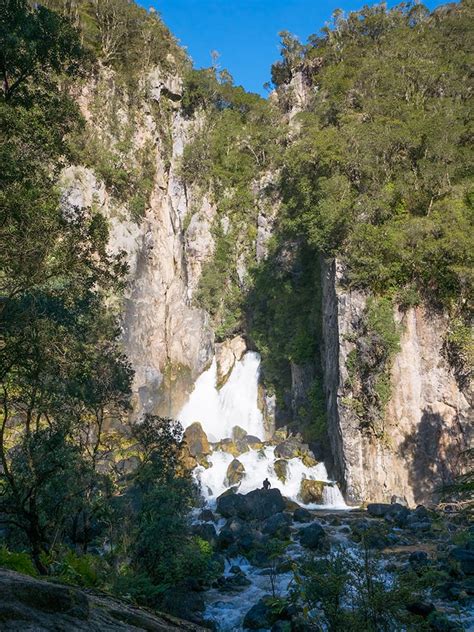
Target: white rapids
pixel 259 464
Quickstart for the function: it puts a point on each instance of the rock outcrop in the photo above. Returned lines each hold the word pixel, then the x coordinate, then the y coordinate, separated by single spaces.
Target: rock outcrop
pixel 27 603
pixel 428 419
pixel 168 340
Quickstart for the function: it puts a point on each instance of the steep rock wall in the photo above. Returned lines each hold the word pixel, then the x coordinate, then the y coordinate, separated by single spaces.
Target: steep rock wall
pixel 428 419
pixel 168 340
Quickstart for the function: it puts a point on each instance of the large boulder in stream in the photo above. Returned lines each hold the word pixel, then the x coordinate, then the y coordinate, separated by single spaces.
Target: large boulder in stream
pixel 256 505
pixel 238 433
pixel 311 491
pixel 260 616
pixel 280 468
pixel 277 526
pixel 291 448
pixel 196 441
pixel 314 537
pixel 235 473
pixel 227 445
pixel 301 514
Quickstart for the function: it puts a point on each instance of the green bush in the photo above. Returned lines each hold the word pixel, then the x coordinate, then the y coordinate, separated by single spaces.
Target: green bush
pixel 82 570
pixel 17 561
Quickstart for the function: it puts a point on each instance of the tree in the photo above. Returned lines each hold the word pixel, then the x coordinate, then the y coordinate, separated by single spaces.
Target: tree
pixel 164 555
pixel 347 591
pixel 62 375
pixel 42 483
pixel 34 41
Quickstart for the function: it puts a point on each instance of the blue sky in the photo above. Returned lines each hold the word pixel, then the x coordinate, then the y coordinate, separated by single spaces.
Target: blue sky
pixel 245 32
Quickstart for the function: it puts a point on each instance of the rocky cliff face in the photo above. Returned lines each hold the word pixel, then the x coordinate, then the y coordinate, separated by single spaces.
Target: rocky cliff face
pixel 168 340
pixel 428 418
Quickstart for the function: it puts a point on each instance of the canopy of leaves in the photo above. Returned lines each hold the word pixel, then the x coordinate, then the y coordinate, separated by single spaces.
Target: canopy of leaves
pixel 380 172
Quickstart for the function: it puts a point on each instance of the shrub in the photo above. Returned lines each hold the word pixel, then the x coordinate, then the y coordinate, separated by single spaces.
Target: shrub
pixel 17 561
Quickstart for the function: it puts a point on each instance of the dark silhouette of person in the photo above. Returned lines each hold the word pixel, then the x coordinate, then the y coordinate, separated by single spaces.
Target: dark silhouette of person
pixel 266 484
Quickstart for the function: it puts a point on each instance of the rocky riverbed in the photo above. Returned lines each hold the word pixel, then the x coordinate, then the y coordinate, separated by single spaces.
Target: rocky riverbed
pixel 263 538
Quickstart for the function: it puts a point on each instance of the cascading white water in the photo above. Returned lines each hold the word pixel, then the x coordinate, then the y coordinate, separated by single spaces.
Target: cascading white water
pixel 236 404
pixel 259 464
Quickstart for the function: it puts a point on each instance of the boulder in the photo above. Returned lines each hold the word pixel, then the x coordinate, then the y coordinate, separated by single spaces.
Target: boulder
pixel 309 460
pixel 230 504
pixel 281 469
pixel 206 515
pixel 311 491
pixel 421 608
pixel 256 505
pixel 313 537
pixel 302 515
pixel 417 559
pixel 187 461
pixel 465 557
pixel 277 525
pixel 238 433
pixel 260 616
pixel 227 445
pixel 398 515
pixel 237 534
pixel 27 603
pixel 249 442
pixel 379 510
pixel 233 583
pixel 291 448
pixel 235 473
pixel 263 503
pixel 280 434
pixel 196 440
pixel 183 602
pixel 373 534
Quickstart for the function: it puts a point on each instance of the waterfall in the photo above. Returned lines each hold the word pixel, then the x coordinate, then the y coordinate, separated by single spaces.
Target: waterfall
pixel 236 404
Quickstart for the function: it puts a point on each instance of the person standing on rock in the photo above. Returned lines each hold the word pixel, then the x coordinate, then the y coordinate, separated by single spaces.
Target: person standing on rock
pixel 266 484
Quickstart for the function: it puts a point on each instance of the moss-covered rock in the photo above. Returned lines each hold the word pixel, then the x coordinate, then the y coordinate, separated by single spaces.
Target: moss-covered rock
pixel 311 491
pixel 281 469
pixel 235 473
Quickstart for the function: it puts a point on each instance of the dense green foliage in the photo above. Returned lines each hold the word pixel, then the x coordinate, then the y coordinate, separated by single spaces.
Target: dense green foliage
pixel 123 35
pixel 284 307
pixel 345 592
pixel 163 555
pixel 377 174
pixel 235 148
pixel 380 173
